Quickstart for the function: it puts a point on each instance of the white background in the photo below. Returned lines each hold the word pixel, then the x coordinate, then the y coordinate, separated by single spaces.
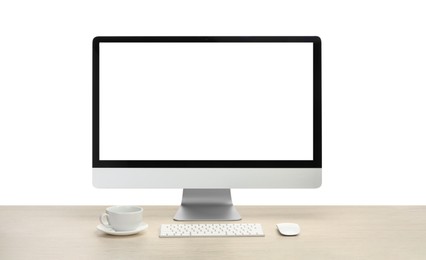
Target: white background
pixel 206 101
pixel 374 90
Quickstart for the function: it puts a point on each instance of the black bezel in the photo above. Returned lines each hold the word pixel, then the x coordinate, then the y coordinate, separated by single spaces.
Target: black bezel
pixel 317 156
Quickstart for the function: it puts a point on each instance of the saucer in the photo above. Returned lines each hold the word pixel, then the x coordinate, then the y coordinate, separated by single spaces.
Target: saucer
pixel 113 232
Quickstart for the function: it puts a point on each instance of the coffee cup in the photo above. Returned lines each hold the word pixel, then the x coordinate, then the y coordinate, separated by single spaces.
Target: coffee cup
pixel 122 218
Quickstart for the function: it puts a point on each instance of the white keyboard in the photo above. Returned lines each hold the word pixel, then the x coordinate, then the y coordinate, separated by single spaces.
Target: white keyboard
pixel 211 230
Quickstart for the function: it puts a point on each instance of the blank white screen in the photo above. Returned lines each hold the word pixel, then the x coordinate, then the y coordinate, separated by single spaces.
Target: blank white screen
pixel 206 101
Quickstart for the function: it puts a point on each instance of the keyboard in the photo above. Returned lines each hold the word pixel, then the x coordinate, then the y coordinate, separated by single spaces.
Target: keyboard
pixel 211 230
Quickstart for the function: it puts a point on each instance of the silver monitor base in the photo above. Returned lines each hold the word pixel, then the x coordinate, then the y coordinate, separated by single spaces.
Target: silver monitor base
pixel 207 204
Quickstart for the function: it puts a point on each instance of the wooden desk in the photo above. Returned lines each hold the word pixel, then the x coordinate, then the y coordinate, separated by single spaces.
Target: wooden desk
pixel 328 232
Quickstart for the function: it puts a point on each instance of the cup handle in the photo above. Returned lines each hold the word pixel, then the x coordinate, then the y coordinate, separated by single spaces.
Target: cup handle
pixel 104 220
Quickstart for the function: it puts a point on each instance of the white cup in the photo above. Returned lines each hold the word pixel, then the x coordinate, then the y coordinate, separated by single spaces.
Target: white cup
pixel 122 218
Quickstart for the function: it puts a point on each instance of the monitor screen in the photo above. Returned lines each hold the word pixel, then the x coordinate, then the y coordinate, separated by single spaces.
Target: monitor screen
pixel 211 101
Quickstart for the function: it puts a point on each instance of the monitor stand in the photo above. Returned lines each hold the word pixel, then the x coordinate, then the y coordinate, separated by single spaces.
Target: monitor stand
pixel 207 204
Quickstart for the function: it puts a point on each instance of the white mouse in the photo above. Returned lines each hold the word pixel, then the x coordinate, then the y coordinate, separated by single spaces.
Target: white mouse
pixel 288 229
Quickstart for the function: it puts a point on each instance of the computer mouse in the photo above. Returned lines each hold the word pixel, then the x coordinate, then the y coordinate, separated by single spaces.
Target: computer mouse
pixel 288 229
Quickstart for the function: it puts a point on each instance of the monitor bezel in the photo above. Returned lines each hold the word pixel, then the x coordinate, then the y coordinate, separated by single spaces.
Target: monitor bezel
pixel 317 123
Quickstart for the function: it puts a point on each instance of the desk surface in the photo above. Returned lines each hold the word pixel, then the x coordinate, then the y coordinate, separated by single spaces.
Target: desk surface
pixel 327 232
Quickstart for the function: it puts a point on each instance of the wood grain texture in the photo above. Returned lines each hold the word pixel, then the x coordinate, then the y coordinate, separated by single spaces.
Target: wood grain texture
pixel 327 232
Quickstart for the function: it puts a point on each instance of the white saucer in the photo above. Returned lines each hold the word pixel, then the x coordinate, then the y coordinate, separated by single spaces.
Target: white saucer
pixel 113 232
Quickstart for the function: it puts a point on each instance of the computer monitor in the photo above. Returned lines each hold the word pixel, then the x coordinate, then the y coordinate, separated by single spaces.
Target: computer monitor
pixel 207 114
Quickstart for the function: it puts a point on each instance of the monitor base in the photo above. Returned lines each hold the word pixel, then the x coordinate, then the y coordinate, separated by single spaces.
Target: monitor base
pixel 207 204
